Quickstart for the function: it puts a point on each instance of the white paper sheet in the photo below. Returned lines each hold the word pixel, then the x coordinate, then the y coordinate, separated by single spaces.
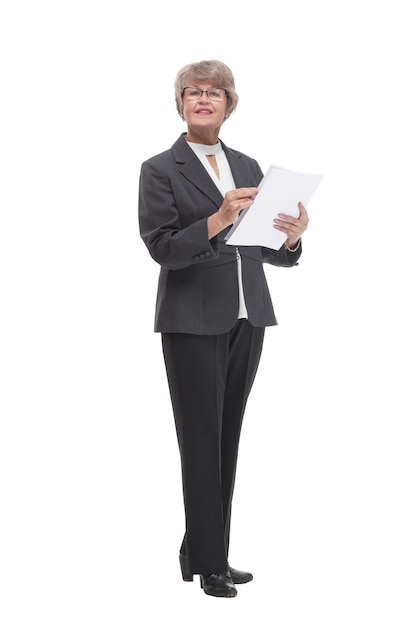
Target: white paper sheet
pixel 280 192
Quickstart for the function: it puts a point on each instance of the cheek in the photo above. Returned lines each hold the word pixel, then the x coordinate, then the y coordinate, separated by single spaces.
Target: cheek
pixel 185 110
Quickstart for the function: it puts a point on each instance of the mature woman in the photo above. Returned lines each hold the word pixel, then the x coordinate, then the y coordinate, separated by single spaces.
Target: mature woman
pixel 212 307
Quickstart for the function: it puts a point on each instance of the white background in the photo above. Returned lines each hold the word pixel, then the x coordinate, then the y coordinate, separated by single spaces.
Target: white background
pixel 325 511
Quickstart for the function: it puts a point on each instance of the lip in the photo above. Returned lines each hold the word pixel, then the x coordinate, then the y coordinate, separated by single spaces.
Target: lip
pixel 203 111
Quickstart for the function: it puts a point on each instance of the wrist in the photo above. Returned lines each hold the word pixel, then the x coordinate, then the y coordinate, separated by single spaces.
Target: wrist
pixel 293 246
pixel 215 225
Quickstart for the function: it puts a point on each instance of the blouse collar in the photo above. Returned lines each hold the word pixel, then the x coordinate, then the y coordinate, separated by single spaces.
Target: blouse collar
pixel 205 150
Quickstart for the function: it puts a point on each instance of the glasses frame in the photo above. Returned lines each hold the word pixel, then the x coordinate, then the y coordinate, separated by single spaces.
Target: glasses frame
pixel 205 91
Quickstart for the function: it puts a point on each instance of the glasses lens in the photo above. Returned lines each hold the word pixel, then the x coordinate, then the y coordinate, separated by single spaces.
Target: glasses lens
pixel 191 93
pixel 216 94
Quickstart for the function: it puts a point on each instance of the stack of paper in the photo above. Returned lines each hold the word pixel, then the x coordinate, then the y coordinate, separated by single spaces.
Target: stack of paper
pixel 280 192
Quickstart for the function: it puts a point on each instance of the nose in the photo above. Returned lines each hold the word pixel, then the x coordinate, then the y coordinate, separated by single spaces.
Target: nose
pixel 204 97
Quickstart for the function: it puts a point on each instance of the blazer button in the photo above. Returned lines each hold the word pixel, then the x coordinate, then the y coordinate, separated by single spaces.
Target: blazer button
pixel 207 254
pixel 196 257
pixel 202 255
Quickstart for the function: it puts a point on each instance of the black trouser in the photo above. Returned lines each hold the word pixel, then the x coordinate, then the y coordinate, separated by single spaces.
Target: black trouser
pixel 210 377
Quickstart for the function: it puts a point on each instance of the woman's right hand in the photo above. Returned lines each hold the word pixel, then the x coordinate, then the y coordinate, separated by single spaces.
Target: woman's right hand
pixel 234 202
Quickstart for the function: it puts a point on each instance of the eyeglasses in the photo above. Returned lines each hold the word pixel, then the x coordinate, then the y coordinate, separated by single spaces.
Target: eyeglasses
pixel 192 93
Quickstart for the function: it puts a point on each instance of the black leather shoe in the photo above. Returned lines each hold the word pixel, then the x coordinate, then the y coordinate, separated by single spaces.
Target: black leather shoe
pixel 219 585
pixel 240 577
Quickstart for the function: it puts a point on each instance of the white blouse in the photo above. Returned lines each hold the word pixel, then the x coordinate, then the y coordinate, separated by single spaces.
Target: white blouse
pixel 224 183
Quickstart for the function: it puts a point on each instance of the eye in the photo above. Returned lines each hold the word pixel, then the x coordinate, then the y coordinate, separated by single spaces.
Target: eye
pixel 215 93
pixel 194 93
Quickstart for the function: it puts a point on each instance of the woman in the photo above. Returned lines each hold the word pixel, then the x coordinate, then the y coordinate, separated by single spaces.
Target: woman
pixel 212 307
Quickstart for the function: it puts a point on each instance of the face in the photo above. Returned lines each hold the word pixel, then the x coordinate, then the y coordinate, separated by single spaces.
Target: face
pixel 204 115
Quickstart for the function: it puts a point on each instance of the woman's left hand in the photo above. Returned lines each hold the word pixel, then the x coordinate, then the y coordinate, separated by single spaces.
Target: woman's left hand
pixel 294 227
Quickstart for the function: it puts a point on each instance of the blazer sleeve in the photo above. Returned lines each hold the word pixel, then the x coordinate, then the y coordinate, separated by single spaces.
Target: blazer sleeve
pixel 281 257
pixel 170 243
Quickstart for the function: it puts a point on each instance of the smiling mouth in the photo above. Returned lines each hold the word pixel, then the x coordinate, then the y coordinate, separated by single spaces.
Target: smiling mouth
pixel 203 112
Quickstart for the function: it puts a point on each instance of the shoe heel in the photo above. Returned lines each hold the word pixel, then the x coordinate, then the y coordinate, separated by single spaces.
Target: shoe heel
pixel 185 575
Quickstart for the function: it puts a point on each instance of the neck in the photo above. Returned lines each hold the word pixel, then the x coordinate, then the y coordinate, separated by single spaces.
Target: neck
pixel 207 138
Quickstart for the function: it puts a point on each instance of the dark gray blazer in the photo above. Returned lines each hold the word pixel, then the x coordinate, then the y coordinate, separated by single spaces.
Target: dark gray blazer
pixel 198 284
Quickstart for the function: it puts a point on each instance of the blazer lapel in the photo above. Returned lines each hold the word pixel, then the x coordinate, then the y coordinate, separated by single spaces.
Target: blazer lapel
pixel 244 173
pixel 193 170
pixel 235 162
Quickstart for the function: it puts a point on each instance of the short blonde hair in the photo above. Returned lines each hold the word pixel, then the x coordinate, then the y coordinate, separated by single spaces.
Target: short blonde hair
pixel 212 71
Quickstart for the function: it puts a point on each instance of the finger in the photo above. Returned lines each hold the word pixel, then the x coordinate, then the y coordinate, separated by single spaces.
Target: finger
pixel 249 191
pixel 303 211
pixel 244 192
pixel 289 219
pixel 293 220
pixel 285 227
